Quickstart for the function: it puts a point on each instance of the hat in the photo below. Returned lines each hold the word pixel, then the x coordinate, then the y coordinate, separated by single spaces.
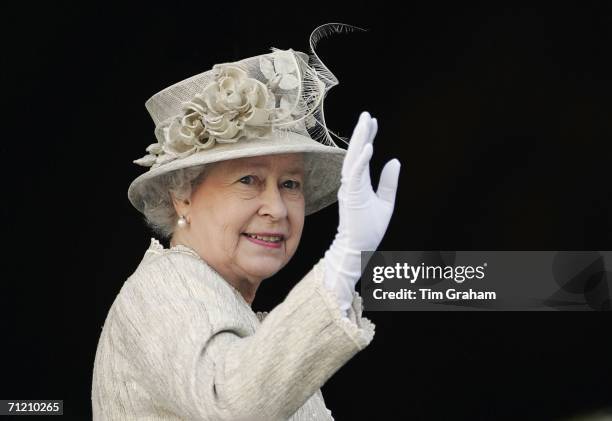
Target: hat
pixel 262 105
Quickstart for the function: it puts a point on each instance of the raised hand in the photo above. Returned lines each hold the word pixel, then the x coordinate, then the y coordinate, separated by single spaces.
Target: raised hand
pixel 364 214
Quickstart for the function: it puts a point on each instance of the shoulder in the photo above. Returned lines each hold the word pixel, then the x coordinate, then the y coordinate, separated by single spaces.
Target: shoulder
pixel 177 273
pixel 178 283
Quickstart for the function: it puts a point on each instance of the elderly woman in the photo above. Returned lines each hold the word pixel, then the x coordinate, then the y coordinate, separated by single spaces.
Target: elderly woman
pixel 233 175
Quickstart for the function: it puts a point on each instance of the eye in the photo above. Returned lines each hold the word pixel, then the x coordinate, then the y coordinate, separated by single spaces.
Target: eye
pixel 247 179
pixel 292 184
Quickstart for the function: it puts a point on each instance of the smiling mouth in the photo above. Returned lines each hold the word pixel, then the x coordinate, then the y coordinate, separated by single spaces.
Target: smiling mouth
pixel 273 239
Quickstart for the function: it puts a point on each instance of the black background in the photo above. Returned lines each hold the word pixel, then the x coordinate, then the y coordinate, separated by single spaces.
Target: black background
pixel 500 116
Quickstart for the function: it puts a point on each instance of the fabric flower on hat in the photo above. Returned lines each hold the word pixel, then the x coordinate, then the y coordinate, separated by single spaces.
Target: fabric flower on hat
pixel 284 78
pixel 280 69
pixel 231 107
pixel 235 106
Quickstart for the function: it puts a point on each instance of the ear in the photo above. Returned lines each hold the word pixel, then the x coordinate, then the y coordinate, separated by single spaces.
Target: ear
pixel 181 206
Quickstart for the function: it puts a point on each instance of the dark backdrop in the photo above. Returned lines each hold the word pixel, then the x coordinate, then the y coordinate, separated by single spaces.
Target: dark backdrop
pixel 499 115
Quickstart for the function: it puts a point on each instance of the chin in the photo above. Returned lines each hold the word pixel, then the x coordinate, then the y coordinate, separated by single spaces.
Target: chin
pixel 265 268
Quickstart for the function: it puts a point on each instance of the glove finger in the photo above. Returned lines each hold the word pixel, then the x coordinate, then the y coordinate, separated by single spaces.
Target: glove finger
pixel 358 139
pixel 370 140
pixel 361 169
pixel 373 130
pixel 387 185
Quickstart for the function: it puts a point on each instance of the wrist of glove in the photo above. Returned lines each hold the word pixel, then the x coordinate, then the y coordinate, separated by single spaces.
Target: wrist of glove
pixel 364 214
pixel 342 271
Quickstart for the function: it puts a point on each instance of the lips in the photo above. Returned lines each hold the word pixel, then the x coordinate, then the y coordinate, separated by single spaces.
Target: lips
pixel 269 239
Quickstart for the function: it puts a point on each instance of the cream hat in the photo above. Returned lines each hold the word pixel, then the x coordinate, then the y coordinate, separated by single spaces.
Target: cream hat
pixel 262 105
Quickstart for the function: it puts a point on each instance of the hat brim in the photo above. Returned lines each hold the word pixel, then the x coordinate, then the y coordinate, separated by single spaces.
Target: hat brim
pixel 323 166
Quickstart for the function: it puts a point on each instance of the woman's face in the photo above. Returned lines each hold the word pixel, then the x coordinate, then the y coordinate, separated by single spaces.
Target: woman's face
pixel 241 198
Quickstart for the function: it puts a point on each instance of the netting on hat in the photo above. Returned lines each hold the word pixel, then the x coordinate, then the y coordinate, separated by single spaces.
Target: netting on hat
pixel 257 97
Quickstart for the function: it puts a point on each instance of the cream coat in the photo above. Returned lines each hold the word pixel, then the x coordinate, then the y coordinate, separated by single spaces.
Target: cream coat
pixel 180 343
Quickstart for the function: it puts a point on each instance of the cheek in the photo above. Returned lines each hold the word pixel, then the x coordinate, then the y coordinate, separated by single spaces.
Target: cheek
pixel 222 222
pixel 296 218
pixel 236 217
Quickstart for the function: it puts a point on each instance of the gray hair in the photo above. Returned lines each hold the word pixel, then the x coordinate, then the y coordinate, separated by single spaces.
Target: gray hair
pixel 159 211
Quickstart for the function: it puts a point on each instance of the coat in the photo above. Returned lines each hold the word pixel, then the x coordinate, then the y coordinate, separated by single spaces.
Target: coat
pixel 181 343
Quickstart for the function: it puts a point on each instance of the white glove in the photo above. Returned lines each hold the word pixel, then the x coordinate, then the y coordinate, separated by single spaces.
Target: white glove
pixel 364 215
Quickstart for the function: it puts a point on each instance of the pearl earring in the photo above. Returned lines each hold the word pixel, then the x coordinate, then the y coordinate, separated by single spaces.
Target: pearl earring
pixel 182 222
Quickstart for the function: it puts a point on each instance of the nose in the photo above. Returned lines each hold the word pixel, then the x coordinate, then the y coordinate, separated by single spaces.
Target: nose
pixel 273 203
